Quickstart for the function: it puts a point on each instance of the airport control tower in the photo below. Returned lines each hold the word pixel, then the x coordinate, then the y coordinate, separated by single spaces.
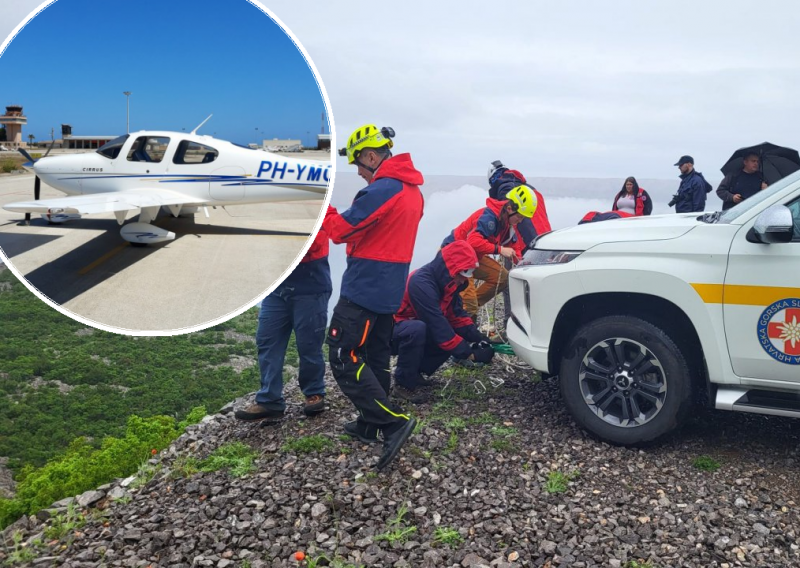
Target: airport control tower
pixel 13 120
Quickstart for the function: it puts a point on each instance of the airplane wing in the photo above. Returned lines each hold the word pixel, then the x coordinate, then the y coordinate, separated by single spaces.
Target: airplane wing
pixel 106 202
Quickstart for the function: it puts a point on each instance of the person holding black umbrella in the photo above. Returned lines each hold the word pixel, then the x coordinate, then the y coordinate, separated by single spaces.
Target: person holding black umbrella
pixel 738 186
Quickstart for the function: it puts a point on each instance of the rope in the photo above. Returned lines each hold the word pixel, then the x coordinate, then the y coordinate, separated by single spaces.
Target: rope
pixel 505 355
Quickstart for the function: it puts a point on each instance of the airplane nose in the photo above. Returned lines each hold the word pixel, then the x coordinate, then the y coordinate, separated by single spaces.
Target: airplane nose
pixel 57 165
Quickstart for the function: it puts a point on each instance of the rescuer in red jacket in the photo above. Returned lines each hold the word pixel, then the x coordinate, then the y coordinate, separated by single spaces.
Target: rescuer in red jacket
pixel 380 229
pixel 491 230
pixel 431 325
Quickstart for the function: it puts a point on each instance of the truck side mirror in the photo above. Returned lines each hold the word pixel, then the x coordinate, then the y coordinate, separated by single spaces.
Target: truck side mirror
pixel 774 225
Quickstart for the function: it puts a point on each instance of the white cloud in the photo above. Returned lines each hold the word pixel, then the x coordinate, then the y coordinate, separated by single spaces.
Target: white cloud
pixel 578 88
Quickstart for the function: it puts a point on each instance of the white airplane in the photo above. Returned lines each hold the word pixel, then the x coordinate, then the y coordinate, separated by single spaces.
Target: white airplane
pixel 149 170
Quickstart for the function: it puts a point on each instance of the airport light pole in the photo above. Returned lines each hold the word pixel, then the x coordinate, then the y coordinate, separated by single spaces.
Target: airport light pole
pixel 127 111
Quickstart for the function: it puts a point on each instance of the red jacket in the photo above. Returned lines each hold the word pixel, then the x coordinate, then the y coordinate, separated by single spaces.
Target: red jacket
pixel 380 229
pixel 541 222
pixel 320 247
pixel 313 275
pixel 432 296
pixel 486 231
pixel 595 216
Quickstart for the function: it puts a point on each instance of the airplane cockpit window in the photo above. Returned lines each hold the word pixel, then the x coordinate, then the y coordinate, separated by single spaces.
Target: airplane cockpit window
pixel 111 148
pixel 148 149
pixel 194 153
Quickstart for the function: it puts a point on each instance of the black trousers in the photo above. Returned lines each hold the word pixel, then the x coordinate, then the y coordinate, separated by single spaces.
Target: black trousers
pixel 359 343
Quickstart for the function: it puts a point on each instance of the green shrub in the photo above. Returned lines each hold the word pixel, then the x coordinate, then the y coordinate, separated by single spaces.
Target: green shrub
pixel 308 444
pixel 557 482
pixel 706 463
pixel 236 457
pixel 83 467
pixel 448 536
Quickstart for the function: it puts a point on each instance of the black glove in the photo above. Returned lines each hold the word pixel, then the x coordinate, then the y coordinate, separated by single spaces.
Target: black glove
pixel 482 344
pixel 483 354
pixel 673 201
pixel 466 363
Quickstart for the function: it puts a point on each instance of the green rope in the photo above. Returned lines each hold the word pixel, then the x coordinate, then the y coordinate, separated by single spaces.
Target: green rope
pixel 503 349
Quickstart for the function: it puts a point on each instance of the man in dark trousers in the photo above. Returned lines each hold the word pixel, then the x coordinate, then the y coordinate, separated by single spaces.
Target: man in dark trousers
pixel 738 186
pixel 299 303
pixel 691 196
pixel 380 229
pixel 431 325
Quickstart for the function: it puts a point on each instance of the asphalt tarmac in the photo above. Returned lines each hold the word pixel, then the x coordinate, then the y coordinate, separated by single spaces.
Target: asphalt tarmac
pixel 214 267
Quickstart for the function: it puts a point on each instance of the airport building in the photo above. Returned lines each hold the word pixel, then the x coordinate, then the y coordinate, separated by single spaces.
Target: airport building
pixel 277 145
pixel 85 142
pixel 13 120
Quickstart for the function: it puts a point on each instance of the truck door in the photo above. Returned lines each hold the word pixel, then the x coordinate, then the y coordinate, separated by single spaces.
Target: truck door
pixel 761 307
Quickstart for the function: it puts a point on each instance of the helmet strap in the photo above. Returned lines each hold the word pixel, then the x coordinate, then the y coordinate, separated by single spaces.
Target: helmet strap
pixel 360 164
pixel 365 166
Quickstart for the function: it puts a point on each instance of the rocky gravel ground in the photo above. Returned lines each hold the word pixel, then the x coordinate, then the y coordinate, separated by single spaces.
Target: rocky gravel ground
pixel 499 478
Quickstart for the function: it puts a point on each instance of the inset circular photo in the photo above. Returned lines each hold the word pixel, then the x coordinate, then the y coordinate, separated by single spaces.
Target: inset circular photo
pixel 162 165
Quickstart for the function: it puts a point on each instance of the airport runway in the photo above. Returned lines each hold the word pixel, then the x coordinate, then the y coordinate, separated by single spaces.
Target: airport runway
pixel 213 267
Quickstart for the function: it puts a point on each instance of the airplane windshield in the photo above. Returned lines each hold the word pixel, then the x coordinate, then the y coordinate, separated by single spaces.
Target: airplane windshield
pixel 111 148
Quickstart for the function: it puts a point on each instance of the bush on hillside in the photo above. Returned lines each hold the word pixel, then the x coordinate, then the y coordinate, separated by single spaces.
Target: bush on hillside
pixel 82 467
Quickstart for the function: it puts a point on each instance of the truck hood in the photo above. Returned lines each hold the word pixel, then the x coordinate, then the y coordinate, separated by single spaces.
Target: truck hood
pixel 654 228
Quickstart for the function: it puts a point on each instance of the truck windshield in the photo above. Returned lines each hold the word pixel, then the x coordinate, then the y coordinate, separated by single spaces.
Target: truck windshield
pixel 747 204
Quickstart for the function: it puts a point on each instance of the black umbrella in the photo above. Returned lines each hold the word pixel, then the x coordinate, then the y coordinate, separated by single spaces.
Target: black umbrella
pixel 777 162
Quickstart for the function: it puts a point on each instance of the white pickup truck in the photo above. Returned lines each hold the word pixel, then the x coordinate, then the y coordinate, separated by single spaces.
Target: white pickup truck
pixel 642 318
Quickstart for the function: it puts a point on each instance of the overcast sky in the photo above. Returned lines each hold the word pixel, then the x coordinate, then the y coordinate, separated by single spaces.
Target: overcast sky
pixel 575 89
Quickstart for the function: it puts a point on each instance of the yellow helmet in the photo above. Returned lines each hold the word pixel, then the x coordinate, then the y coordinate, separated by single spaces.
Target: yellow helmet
pixel 525 200
pixel 367 136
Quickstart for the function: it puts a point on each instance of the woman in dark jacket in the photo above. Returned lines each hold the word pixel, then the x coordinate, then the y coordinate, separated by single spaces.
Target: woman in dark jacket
pixel 633 199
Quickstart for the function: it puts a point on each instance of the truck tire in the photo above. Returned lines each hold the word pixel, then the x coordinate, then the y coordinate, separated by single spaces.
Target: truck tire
pixel 625 380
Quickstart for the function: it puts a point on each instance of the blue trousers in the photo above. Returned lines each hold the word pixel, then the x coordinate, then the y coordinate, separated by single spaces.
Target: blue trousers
pixel 281 312
pixel 416 353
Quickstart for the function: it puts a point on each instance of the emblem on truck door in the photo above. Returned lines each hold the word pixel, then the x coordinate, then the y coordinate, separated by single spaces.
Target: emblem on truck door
pixel 779 331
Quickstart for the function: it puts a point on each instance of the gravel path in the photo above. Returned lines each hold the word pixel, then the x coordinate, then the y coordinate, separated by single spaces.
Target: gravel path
pixel 498 479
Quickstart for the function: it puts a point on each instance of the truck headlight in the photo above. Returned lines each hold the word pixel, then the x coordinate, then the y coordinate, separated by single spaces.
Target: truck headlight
pixel 538 257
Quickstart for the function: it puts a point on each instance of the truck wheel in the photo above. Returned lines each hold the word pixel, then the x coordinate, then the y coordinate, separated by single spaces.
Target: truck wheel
pixel 625 381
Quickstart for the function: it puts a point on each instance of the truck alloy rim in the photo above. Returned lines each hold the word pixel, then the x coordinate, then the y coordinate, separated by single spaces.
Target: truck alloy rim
pixel 623 382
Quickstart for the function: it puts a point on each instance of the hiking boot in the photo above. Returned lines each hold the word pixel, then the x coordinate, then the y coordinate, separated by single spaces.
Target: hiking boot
pixel 393 440
pixel 415 396
pixel 367 433
pixel 315 404
pixel 257 412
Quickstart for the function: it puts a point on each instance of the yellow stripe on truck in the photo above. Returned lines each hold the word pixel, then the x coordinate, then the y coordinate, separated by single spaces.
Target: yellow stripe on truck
pixel 744 295
pixel 710 293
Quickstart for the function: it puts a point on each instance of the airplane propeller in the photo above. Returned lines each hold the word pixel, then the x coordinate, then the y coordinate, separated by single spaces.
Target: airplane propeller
pixel 37 184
